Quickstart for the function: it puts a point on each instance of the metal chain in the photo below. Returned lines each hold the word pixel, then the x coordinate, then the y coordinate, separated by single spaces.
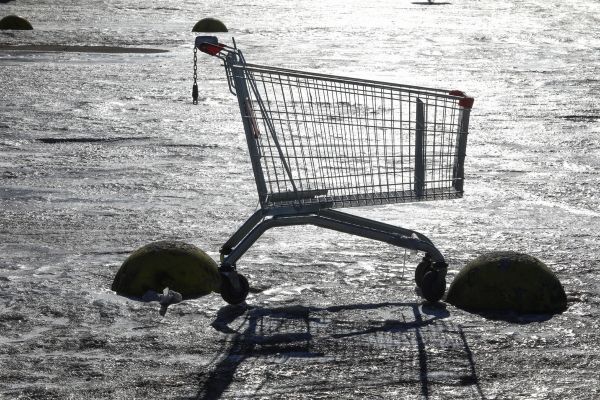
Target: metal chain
pixel 195 63
pixel 195 86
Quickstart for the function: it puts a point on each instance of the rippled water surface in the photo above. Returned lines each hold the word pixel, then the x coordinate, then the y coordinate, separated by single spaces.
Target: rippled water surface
pixel 102 153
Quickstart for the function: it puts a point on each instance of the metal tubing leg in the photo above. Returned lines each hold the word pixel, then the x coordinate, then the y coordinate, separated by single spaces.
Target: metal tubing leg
pixel 370 223
pixel 254 220
pixel 340 222
pixel 349 226
pixel 242 232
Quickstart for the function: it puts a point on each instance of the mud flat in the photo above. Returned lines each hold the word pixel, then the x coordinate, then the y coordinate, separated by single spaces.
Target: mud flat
pixel 80 49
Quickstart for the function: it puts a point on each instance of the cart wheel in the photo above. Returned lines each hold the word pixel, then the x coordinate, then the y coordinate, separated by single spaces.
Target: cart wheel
pixel 229 293
pixel 434 286
pixel 423 267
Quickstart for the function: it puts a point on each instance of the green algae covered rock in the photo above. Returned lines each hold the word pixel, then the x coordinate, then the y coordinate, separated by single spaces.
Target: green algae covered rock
pixel 209 25
pixel 15 22
pixel 179 266
pixel 507 281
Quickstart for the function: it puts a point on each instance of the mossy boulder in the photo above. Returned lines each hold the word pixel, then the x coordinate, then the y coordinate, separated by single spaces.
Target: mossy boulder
pixel 179 266
pixel 15 22
pixel 507 281
pixel 209 25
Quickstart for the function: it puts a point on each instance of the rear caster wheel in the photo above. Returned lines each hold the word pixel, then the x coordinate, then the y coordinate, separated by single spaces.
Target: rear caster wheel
pixel 423 267
pixel 434 286
pixel 234 287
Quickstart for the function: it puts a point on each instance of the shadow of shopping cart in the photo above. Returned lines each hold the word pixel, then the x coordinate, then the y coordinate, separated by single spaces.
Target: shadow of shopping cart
pixel 377 349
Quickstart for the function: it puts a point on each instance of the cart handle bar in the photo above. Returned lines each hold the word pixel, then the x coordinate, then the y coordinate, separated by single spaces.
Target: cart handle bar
pixel 211 46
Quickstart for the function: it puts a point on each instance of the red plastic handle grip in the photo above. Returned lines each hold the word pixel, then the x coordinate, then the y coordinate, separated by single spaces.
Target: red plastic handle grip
pixel 465 101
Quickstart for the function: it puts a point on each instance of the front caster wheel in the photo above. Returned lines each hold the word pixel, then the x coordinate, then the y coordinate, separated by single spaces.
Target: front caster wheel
pixel 434 286
pixel 423 267
pixel 234 287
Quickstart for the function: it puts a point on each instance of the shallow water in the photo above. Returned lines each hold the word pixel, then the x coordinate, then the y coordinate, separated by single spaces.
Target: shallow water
pixel 103 153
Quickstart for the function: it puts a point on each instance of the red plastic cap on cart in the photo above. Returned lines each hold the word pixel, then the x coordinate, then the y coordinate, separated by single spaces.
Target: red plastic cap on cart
pixel 212 49
pixel 209 45
pixel 465 101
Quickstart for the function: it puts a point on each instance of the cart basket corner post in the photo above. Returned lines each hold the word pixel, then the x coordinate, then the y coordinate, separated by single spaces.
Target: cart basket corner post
pixel 321 142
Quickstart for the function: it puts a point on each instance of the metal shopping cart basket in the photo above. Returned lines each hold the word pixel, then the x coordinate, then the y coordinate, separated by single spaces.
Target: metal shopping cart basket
pixel 322 142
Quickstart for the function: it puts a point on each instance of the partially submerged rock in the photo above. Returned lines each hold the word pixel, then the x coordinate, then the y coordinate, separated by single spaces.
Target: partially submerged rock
pixel 179 266
pixel 15 22
pixel 209 25
pixel 507 281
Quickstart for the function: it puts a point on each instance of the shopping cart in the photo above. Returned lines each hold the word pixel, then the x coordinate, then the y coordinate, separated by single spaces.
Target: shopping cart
pixel 321 142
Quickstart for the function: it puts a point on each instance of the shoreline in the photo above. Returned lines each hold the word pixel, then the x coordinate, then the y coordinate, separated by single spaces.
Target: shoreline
pixel 81 49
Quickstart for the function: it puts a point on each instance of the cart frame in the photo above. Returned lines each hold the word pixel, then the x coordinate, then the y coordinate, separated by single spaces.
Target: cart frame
pixel 286 140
